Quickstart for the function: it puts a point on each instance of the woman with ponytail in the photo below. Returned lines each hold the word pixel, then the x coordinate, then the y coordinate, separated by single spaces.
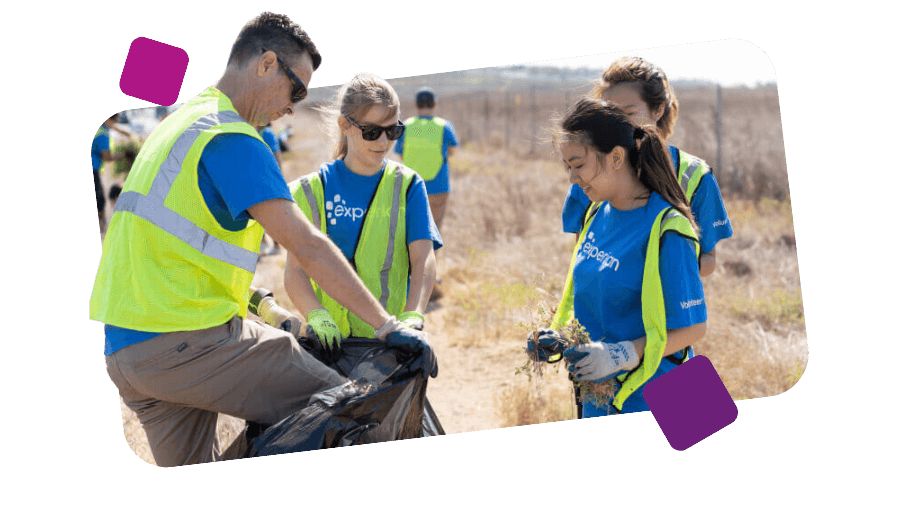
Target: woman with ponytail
pixel 642 91
pixel 635 277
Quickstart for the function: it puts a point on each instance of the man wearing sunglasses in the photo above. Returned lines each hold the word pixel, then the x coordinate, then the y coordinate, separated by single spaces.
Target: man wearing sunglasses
pixel 181 251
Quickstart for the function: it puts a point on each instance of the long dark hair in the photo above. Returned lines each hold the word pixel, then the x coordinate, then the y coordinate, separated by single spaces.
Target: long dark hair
pixel 602 126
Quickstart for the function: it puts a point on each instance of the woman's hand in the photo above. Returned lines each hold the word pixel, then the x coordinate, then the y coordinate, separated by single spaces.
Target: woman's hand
pixel 599 361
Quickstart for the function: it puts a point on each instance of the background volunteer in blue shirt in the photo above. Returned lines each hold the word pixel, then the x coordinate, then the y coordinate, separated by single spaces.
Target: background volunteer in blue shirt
pixel 626 169
pixel 101 151
pixel 274 143
pixel 438 187
pixel 366 120
pixel 642 90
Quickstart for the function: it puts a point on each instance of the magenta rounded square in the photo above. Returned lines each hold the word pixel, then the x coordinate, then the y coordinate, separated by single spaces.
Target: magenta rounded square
pixel 690 403
pixel 153 71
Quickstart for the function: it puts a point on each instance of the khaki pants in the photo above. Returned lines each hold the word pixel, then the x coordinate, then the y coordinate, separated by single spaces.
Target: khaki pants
pixel 178 382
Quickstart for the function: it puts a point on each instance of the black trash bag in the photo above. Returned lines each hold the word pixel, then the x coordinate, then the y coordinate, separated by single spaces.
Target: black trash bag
pixel 383 401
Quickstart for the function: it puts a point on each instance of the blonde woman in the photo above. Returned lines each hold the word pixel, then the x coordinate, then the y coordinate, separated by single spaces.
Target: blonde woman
pixel 374 209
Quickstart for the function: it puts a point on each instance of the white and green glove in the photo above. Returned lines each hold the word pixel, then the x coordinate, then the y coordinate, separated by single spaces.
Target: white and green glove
pixel 413 319
pixel 599 361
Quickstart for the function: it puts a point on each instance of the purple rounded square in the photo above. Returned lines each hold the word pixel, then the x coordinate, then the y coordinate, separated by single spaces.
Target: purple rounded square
pixel 153 71
pixel 690 403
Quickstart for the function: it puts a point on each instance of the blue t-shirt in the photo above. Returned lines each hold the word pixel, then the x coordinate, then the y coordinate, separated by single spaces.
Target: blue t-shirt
pixel 348 195
pixel 441 182
pixel 98 146
pixel 706 206
pixel 235 172
pixel 269 136
pixel 609 269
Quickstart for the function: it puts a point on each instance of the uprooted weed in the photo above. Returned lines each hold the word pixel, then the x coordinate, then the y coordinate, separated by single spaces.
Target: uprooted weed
pixel 573 334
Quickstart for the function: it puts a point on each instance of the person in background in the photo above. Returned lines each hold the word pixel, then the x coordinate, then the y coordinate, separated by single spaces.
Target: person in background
pixel 374 209
pixel 426 146
pixel 101 151
pixel 268 136
pixel 642 90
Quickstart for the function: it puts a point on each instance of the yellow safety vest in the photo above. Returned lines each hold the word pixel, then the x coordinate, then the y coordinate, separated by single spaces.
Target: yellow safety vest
pixel 167 264
pixel 653 310
pixel 422 143
pixel 381 257
pixel 690 171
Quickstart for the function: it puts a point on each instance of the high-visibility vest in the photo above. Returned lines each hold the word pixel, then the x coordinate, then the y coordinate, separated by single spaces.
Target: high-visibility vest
pixel 167 264
pixel 381 257
pixel 422 143
pixel 653 309
pixel 690 171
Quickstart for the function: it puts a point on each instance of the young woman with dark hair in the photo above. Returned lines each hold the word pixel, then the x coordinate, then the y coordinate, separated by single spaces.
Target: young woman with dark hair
pixel 634 283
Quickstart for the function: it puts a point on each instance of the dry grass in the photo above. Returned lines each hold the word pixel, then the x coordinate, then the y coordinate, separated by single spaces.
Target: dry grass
pixel 525 403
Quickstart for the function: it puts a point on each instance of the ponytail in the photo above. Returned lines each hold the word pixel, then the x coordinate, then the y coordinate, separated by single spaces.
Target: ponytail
pixel 653 167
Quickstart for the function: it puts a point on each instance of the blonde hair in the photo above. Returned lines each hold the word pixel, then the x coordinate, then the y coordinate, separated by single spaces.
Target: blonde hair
pixel 354 100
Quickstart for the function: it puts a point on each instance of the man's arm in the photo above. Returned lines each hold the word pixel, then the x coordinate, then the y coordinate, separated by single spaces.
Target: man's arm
pixel 298 287
pixel 319 257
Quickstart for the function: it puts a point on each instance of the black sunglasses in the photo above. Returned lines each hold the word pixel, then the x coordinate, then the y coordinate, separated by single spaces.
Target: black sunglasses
pixel 298 89
pixel 373 132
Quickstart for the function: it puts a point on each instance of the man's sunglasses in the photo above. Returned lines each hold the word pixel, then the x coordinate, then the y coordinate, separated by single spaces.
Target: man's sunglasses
pixel 373 132
pixel 298 89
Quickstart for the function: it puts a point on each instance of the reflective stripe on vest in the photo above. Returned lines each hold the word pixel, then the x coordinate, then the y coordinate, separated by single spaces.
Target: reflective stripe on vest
pixel 151 207
pixel 653 311
pixel 167 264
pixel 381 259
pixel 422 146
pixel 690 171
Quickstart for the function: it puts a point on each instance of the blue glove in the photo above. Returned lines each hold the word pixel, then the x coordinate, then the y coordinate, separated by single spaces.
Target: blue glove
pixel 599 361
pixel 548 344
pixel 416 343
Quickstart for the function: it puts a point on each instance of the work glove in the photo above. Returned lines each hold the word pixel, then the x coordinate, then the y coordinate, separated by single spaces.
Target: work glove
pixel 325 333
pixel 414 342
pixel 598 361
pixel 414 319
pixel 549 345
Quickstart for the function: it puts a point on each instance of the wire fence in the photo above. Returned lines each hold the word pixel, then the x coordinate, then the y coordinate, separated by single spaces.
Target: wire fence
pixel 736 130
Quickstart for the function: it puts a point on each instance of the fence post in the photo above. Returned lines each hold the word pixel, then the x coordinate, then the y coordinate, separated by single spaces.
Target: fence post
pixel 487 115
pixel 506 104
pixel 533 121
